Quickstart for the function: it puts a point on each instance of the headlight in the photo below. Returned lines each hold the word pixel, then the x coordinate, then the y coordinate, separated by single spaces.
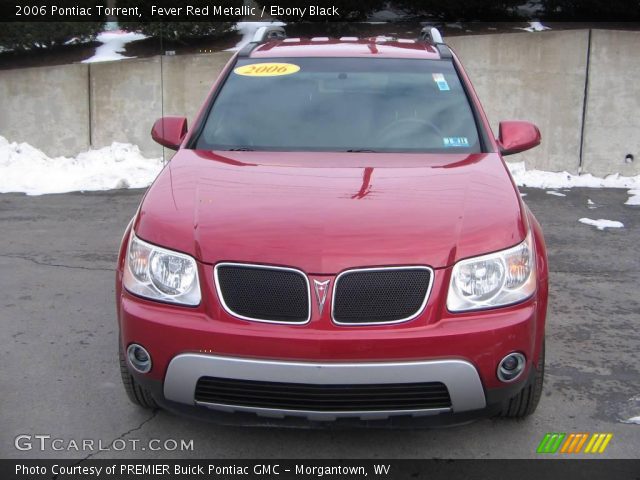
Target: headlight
pixel 161 274
pixel 493 280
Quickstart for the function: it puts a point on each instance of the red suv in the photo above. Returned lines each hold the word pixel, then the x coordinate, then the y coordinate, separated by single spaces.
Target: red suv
pixel 337 236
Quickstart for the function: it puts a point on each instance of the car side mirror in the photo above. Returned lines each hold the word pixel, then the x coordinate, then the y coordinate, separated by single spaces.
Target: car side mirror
pixel 516 137
pixel 169 131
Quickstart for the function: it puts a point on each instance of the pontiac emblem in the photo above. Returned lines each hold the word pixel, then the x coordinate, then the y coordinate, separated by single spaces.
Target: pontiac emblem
pixel 321 289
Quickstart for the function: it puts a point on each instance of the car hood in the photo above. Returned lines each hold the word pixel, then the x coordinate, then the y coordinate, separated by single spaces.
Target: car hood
pixel 324 212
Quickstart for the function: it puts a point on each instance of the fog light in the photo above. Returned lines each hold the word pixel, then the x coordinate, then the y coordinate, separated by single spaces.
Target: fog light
pixel 511 366
pixel 139 358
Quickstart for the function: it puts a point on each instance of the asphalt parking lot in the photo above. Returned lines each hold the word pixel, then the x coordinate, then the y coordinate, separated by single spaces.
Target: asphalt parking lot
pixel 59 370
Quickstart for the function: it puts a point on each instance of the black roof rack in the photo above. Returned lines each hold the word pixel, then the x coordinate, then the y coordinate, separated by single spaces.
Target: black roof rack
pixel 272 32
pixel 432 35
pixel 262 35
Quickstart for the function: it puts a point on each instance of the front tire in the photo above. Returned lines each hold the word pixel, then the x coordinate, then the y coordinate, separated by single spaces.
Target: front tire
pixel 525 403
pixel 138 394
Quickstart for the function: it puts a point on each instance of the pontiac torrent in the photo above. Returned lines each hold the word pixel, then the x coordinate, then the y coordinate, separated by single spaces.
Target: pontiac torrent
pixel 337 236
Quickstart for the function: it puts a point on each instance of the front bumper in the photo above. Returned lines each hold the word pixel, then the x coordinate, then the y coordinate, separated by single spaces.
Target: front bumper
pixel 460 377
pixel 495 401
pixel 462 351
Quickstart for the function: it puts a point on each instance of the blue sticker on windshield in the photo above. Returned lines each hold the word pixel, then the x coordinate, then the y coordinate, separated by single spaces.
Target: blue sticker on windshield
pixel 456 141
pixel 441 82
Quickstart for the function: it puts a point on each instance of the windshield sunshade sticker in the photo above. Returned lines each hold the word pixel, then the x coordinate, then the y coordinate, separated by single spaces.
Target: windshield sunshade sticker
pixel 455 142
pixel 441 82
pixel 266 69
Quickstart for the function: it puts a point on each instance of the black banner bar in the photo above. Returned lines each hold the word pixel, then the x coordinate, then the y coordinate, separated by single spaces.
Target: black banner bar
pixel 173 11
pixel 433 469
pixel 310 11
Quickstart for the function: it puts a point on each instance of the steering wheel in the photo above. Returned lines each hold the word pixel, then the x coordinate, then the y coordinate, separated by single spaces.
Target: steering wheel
pixel 404 125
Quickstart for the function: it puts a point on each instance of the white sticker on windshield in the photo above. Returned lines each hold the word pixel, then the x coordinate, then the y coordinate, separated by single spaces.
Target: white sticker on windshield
pixel 456 141
pixel 441 82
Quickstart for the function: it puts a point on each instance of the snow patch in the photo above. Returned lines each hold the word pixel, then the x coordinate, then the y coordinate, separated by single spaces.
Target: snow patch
pixel 248 30
pixel 26 169
pixel 635 420
pixel 602 223
pixel 77 40
pixel 534 27
pixel 634 199
pixel 113 44
pixel 557 194
pixel 629 411
pixel 555 180
pixel 387 15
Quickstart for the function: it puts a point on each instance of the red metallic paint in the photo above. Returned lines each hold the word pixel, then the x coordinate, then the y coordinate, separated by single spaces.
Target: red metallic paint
pixel 326 212
pixel 169 131
pixel 516 136
pixel 303 209
pixel 482 338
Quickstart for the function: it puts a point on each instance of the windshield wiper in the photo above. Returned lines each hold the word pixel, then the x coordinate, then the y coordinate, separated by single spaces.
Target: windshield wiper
pixel 360 150
pixel 239 149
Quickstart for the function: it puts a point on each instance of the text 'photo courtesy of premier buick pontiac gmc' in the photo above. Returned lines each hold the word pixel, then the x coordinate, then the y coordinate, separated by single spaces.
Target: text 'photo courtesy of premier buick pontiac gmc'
pixel 337 239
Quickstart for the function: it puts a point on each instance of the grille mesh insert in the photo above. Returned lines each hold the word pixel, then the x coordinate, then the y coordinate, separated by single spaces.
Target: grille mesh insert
pixel 379 296
pixel 322 398
pixel 264 293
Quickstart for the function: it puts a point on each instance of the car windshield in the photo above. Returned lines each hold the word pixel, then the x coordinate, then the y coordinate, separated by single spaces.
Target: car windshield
pixel 341 104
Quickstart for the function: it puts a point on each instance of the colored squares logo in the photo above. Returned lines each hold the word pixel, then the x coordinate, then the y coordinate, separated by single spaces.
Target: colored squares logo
pixel 574 443
pixel 598 443
pixel 551 442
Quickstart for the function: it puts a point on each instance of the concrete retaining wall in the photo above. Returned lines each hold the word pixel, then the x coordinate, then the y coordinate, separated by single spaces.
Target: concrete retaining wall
pixel 46 107
pixel 67 109
pixel 187 81
pixel 612 124
pixel 539 77
pixel 126 97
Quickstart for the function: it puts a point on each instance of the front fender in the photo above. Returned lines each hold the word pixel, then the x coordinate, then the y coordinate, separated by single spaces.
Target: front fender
pixel 542 272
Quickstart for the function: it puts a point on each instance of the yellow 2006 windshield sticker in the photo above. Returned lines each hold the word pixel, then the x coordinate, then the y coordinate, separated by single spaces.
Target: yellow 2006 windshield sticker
pixel 267 69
